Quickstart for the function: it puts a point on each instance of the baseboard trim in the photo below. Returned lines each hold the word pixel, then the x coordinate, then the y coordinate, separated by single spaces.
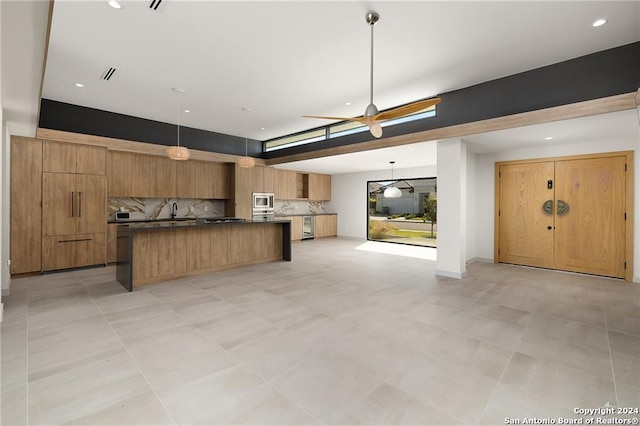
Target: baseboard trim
pixel 480 260
pixel 451 274
pixel 636 280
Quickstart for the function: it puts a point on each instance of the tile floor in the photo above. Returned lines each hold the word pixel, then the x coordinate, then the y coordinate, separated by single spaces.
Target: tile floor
pixel 338 336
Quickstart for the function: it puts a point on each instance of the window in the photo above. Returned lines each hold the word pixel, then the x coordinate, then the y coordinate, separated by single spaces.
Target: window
pixel 409 219
pixel 338 130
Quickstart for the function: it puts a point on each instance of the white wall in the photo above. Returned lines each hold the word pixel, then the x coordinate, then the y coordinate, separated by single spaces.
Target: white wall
pixel 452 208
pixel 472 198
pixel 484 187
pixel 349 196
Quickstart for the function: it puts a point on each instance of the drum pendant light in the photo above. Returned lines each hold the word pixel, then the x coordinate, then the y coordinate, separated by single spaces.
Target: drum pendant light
pixel 178 152
pixel 392 191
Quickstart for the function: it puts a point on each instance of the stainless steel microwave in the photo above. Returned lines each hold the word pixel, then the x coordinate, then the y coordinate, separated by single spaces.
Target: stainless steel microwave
pixel 263 203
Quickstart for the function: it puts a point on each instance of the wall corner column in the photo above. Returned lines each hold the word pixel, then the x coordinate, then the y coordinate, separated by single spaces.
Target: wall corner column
pixel 452 208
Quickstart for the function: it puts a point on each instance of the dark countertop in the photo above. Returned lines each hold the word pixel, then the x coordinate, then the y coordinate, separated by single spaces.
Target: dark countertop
pixel 146 226
pixel 168 219
pixel 306 214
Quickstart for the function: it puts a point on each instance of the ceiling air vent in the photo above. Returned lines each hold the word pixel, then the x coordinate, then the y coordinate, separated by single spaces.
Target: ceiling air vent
pixel 108 73
pixel 154 4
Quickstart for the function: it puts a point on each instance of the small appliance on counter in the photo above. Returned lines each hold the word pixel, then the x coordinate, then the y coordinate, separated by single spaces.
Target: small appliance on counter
pixel 123 216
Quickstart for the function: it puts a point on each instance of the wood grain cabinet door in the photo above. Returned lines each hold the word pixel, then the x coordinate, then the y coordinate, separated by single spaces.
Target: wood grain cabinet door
pixel 91 196
pixel 526 230
pixel 143 176
pixel 186 174
pixel 119 174
pixel 59 157
pixel 319 187
pixel 59 204
pixel 91 160
pixel 26 208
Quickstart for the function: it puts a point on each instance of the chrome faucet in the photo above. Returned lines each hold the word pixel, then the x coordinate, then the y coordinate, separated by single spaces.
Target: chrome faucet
pixel 174 210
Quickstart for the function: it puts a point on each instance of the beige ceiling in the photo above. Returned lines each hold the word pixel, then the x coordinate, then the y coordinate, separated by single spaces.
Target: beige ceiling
pixel 288 58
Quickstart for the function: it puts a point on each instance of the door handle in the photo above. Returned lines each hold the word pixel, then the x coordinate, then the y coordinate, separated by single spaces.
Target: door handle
pixel 563 208
pixel 547 207
pixel 72 204
pixel 79 204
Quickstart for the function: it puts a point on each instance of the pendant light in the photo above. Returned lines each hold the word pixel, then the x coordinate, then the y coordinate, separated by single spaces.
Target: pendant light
pixel 178 152
pixel 246 162
pixel 392 191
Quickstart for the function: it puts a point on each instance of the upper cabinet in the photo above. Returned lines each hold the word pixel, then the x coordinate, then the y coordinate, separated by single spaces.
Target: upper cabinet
pixel 71 158
pixel 212 180
pixel 263 178
pixel 291 185
pixel 285 185
pixel 119 174
pixel 148 176
pixel 319 187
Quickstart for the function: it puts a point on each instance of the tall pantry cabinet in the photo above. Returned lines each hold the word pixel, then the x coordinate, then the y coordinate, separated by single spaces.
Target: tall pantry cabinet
pixel 58 205
pixel 74 202
pixel 26 205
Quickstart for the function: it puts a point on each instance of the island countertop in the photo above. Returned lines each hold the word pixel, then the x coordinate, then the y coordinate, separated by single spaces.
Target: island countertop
pixel 136 226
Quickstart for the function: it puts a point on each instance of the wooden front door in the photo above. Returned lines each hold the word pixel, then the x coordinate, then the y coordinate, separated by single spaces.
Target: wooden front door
pixel 526 231
pixel 590 216
pixel 568 214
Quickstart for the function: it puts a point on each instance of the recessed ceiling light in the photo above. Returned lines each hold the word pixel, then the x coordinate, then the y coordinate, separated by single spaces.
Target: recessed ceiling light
pixel 347 103
pixel 114 4
pixel 79 85
pixel 187 110
pixel 548 138
pixel 599 23
pixel 263 128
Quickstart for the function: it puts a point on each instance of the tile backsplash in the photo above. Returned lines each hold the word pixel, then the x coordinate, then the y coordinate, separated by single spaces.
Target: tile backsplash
pixel 284 208
pixel 160 208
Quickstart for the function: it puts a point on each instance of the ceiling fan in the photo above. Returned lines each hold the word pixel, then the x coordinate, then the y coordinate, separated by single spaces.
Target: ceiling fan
pixel 372 117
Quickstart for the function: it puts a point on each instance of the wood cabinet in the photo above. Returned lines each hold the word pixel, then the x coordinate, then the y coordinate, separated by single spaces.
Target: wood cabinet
pixel 74 227
pixel 285 185
pixel 296 227
pixel 112 242
pixel 71 158
pixel 119 174
pixel 263 178
pixel 143 168
pixel 26 205
pixel 148 176
pixel 220 178
pixel 75 204
pixel 211 180
pixel 290 185
pixel 240 201
pixel 319 187
pixel 186 177
pixel 326 225
pixel 72 251
pixel 165 177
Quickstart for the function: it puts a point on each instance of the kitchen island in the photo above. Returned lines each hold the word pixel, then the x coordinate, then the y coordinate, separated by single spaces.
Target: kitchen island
pixel 151 252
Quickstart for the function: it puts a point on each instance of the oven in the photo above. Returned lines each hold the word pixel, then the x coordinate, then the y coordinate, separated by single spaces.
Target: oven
pixel 263 203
